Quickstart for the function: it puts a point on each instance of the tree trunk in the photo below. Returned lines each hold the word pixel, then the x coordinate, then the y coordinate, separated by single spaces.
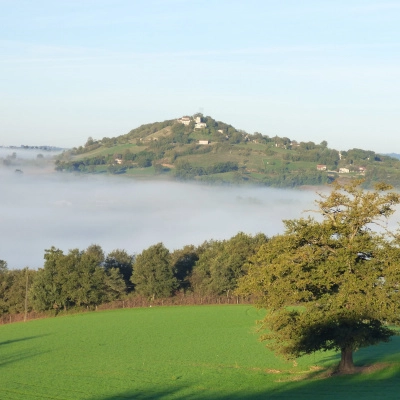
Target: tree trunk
pixel 346 364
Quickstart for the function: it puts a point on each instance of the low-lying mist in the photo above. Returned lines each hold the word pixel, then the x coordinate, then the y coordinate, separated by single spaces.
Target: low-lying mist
pixel 26 154
pixel 38 211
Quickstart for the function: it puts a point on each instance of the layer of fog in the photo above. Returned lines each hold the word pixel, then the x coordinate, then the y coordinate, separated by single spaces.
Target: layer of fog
pixel 38 211
pixel 26 154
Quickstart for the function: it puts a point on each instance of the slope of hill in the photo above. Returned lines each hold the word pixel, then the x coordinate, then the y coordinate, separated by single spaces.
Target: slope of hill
pixel 203 149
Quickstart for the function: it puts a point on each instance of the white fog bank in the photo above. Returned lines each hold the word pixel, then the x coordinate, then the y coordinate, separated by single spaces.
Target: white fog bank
pixel 68 211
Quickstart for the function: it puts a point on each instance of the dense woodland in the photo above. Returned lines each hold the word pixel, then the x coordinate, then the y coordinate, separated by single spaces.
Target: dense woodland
pixel 175 150
pixel 85 279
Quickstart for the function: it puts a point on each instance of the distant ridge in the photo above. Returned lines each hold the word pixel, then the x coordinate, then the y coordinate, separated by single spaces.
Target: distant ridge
pixel 43 147
pixel 394 155
pixel 203 149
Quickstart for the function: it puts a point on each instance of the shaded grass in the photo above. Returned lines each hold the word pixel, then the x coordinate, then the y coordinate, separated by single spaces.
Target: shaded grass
pixel 171 352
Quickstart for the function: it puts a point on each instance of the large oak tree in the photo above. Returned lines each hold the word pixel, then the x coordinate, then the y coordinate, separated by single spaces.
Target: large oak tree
pixel 331 282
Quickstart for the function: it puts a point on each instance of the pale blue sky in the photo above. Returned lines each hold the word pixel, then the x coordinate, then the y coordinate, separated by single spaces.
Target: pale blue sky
pixel 308 70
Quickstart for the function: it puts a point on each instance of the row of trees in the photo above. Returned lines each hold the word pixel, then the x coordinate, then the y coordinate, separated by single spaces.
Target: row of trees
pixel 300 178
pixel 185 170
pixel 87 278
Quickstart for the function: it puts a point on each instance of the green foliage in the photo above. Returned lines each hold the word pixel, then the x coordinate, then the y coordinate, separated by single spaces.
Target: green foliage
pixel 343 274
pixel 222 263
pixel 3 266
pixel 183 261
pixel 75 279
pixel 85 279
pixel 121 261
pixel 13 289
pixel 286 178
pixel 185 170
pixel 153 274
pixel 147 129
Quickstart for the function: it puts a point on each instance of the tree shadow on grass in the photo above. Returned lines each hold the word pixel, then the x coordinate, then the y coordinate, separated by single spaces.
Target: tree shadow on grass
pixel 383 385
pixel 8 342
pixel 381 382
pixel 7 358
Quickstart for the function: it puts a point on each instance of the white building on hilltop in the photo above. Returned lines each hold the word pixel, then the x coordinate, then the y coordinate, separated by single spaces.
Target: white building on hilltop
pixel 199 124
pixel 184 120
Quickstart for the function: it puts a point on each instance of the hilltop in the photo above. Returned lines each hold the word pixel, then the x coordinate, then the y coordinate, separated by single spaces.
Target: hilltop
pixel 203 149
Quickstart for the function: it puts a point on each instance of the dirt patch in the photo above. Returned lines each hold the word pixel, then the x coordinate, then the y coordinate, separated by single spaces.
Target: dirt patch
pixel 365 369
pixel 272 371
pixel 317 372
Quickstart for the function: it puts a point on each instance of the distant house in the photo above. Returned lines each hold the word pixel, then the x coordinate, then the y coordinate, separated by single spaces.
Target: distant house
pixel 362 170
pixel 344 170
pixel 204 142
pixel 294 143
pixel 321 167
pixel 184 120
pixel 199 124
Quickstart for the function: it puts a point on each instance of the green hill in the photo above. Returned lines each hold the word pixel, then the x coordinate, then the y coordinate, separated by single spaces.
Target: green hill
pixel 203 149
pixel 192 352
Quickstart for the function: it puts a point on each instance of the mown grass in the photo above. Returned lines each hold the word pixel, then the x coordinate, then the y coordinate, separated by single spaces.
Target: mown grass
pixel 193 352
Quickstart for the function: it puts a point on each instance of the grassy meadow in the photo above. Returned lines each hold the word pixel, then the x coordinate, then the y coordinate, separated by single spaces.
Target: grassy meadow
pixel 194 352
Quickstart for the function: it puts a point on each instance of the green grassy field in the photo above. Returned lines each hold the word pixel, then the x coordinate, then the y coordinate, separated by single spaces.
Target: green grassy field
pixel 198 352
pixel 104 151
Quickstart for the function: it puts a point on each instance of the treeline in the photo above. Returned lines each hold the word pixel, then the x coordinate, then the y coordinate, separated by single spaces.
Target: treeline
pixel 185 170
pixel 85 279
pixel 285 178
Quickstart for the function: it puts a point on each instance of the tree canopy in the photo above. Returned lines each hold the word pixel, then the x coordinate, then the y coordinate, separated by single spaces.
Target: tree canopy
pixel 332 282
pixel 75 279
pixel 153 274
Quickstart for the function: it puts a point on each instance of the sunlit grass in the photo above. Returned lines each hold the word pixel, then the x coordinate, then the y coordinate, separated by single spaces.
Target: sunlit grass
pixel 170 352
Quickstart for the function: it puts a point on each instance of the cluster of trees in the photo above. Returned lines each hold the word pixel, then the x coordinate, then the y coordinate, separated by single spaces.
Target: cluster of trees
pixel 13 289
pixel 142 159
pixel 87 278
pixel 318 155
pixel 76 279
pixel 89 146
pixel 185 170
pixel 85 165
pixel 380 173
pixel 286 178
